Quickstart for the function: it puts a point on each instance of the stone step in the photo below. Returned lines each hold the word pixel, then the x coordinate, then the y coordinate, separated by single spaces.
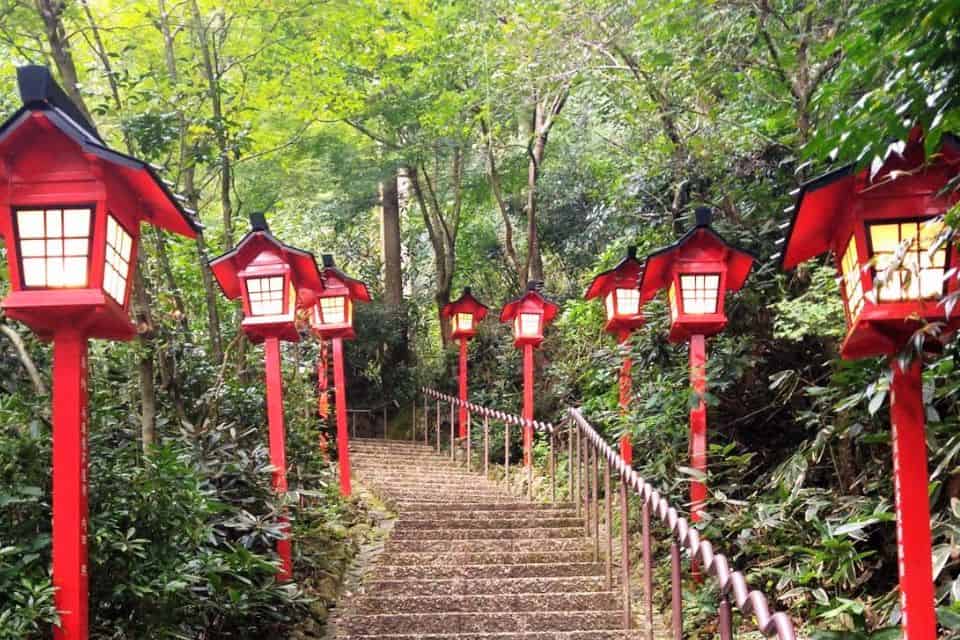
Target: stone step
pixel 457 623
pixel 489 514
pixel 458 558
pixel 525 533
pixel 532 521
pixel 537 570
pixel 481 586
pixel 448 498
pixel 475 603
pixel 514 505
pixel 600 634
pixel 415 545
pixel 422 477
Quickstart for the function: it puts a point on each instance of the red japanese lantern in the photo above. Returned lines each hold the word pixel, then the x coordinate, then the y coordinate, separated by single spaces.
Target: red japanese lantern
pixel 332 318
pixel 267 276
pixel 70 214
pixel 697 271
pixel 464 313
pixel 529 313
pixel 884 226
pixel 618 287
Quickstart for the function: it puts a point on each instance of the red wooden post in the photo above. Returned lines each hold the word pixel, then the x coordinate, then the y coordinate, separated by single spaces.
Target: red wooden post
pixel 698 424
pixel 463 387
pixel 323 382
pixel 527 403
pixel 343 438
pixel 913 503
pixel 626 390
pixel 277 440
pixel 70 457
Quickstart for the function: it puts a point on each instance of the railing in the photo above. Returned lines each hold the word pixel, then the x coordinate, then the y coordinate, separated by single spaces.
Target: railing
pixel 588 455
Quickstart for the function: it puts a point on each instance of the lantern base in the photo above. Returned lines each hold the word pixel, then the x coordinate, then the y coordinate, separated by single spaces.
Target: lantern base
pixel 690 325
pixel 330 334
pixel 883 329
pixel 88 311
pixel 258 330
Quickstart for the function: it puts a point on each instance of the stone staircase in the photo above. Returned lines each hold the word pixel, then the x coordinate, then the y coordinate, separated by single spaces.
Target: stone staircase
pixel 468 561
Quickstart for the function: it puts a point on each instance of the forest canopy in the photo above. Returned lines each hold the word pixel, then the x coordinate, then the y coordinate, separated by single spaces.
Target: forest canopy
pixel 435 145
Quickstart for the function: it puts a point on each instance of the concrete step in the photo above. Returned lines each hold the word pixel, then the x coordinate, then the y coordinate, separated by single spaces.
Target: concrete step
pixel 486 571
pixel 489 514
pixel 414 545
pixel 530 521
pixel 514 603
pixel 456 623
pixel 458 558
pixel 482 586
pixel 516 533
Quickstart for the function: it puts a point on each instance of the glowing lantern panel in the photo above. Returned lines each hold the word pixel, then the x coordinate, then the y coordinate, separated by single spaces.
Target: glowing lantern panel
pixel 700 293
pixel 116 272
pixel 265 296
pixel 54 247
pixel 920 271
pixel 464 322
pixel 527 325
pixel 334 310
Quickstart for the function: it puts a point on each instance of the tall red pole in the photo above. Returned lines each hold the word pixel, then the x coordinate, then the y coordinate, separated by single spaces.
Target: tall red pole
pixel 277 438
pixel 70 458
pixel 698 423
pixel 322 380
pixel 527 403
pixel 626 391
pixel 463 387
pixel 343 437
pixel 913 503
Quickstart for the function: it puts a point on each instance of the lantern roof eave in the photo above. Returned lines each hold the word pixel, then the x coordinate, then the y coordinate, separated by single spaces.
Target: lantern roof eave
pixel 357 288
pixel 605 281
pixel 41 94
pixel 226 267
pixel 510 309
pixel 468 303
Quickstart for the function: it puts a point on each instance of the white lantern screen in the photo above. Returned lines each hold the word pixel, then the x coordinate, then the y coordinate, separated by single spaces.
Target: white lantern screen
pixel 699 293
pixel 852 283
pixel 464 321
pixel 628 302
pixel 672 298
pixel 54 247
pixel 527 325
pixel 333 310
pixel 919 274
pixel 116 270
pixel 265 295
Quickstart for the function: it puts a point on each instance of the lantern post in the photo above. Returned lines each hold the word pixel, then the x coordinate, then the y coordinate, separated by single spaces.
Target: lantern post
pixel 70 214
pixel 619 289
pixel 332 318
pixel 697 271
pixel 884 226
pixel 530 314
pixel 267 276
pixel 464 314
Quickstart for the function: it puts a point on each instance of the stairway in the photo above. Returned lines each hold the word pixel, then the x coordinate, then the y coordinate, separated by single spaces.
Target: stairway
pixel 467 561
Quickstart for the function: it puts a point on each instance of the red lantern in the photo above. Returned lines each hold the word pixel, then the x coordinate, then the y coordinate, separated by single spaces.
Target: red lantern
pixel 266 275
pixel 529 313
pixel 621 300
pixel 465 313
pixel 332 317
pixel 697 271
pixel 884 227
pixel 70 214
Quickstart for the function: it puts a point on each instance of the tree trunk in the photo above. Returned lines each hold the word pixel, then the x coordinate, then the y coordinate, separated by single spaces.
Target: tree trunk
pixel 39 387
pixel 51 12
pixel 390 243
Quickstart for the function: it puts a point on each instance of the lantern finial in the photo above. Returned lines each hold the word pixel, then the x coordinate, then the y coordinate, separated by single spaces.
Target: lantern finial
pixel 535 285
pixel 328 262
pixel 704 216
pixel 37 85
pixel 632 251
pixel 258 221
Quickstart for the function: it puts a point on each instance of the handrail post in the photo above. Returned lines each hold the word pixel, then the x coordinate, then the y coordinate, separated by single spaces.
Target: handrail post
pixel 469 434
pixel 506 454
pixel 625 551
pixel 486 446
pixel 608 520
pixel 426 422
pixel 413 421
pixel 595 479
pixel 438 426
pixel 724 618
pixel 647 569
pixel 585 481
pixel 677 593
pixel 570 494
pixel 530 465
pixel 453 454
pixel 553 470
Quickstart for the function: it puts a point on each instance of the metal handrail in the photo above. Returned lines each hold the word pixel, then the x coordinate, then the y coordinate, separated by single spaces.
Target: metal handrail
pixel 583 463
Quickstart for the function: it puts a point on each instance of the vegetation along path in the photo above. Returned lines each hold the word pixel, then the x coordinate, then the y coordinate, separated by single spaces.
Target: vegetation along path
pixel 467 560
